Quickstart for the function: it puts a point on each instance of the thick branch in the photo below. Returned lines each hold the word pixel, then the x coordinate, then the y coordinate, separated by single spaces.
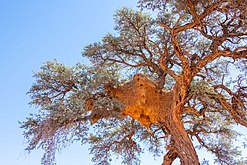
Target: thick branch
pixel 238 53
pixel 237 114
pixel 169 157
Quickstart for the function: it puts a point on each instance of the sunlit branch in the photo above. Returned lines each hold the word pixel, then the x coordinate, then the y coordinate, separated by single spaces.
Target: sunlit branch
pixel 238 115
pixel 181 56
pixel 191 110
pixel 164 66
pixel 169 157
pixel 122 61
pixel 164 26
pixel 193 11
pixel 238 53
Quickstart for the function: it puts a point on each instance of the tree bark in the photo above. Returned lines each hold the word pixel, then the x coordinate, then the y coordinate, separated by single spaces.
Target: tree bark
pixel 169 157
pixel 182 144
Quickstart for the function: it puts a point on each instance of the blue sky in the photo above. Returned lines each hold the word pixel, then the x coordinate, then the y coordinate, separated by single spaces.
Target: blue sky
pixel 33 32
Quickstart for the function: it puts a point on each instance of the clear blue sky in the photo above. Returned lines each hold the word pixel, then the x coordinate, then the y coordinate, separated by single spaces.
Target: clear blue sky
pixel 31 33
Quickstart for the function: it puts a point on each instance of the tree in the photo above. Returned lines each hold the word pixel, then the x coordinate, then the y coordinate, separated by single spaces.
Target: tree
pixel 163 80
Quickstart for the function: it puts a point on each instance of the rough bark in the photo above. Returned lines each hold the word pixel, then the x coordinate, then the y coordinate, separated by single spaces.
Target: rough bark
pixel 170 157
pixel 181 143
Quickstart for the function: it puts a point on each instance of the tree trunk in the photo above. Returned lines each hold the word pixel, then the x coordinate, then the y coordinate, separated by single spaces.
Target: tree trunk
pixel 181 145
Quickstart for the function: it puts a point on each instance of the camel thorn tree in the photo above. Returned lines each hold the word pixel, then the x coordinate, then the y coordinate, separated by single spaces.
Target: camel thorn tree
pixel 164 80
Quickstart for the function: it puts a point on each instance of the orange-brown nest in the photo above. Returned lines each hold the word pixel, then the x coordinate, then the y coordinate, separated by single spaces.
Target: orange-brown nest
pixel 143 100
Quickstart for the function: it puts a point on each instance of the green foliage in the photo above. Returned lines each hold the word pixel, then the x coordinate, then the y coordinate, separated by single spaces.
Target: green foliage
pixel 128 49
pixel 61 93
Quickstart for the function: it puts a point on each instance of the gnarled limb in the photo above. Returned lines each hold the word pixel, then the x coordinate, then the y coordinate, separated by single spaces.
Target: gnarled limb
pixel 237 114
pixel 236 54
pixel 164 66
pixel 182 144
pixel 170 156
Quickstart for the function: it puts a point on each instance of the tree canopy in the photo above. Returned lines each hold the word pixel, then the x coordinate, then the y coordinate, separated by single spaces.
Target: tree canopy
pixel 172 77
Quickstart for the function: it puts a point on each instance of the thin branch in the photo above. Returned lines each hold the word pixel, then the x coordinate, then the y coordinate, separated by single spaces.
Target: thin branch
pixel 193 11
pixel 191 111
pixel 180 55
pixel 164 26
pixel 164 66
